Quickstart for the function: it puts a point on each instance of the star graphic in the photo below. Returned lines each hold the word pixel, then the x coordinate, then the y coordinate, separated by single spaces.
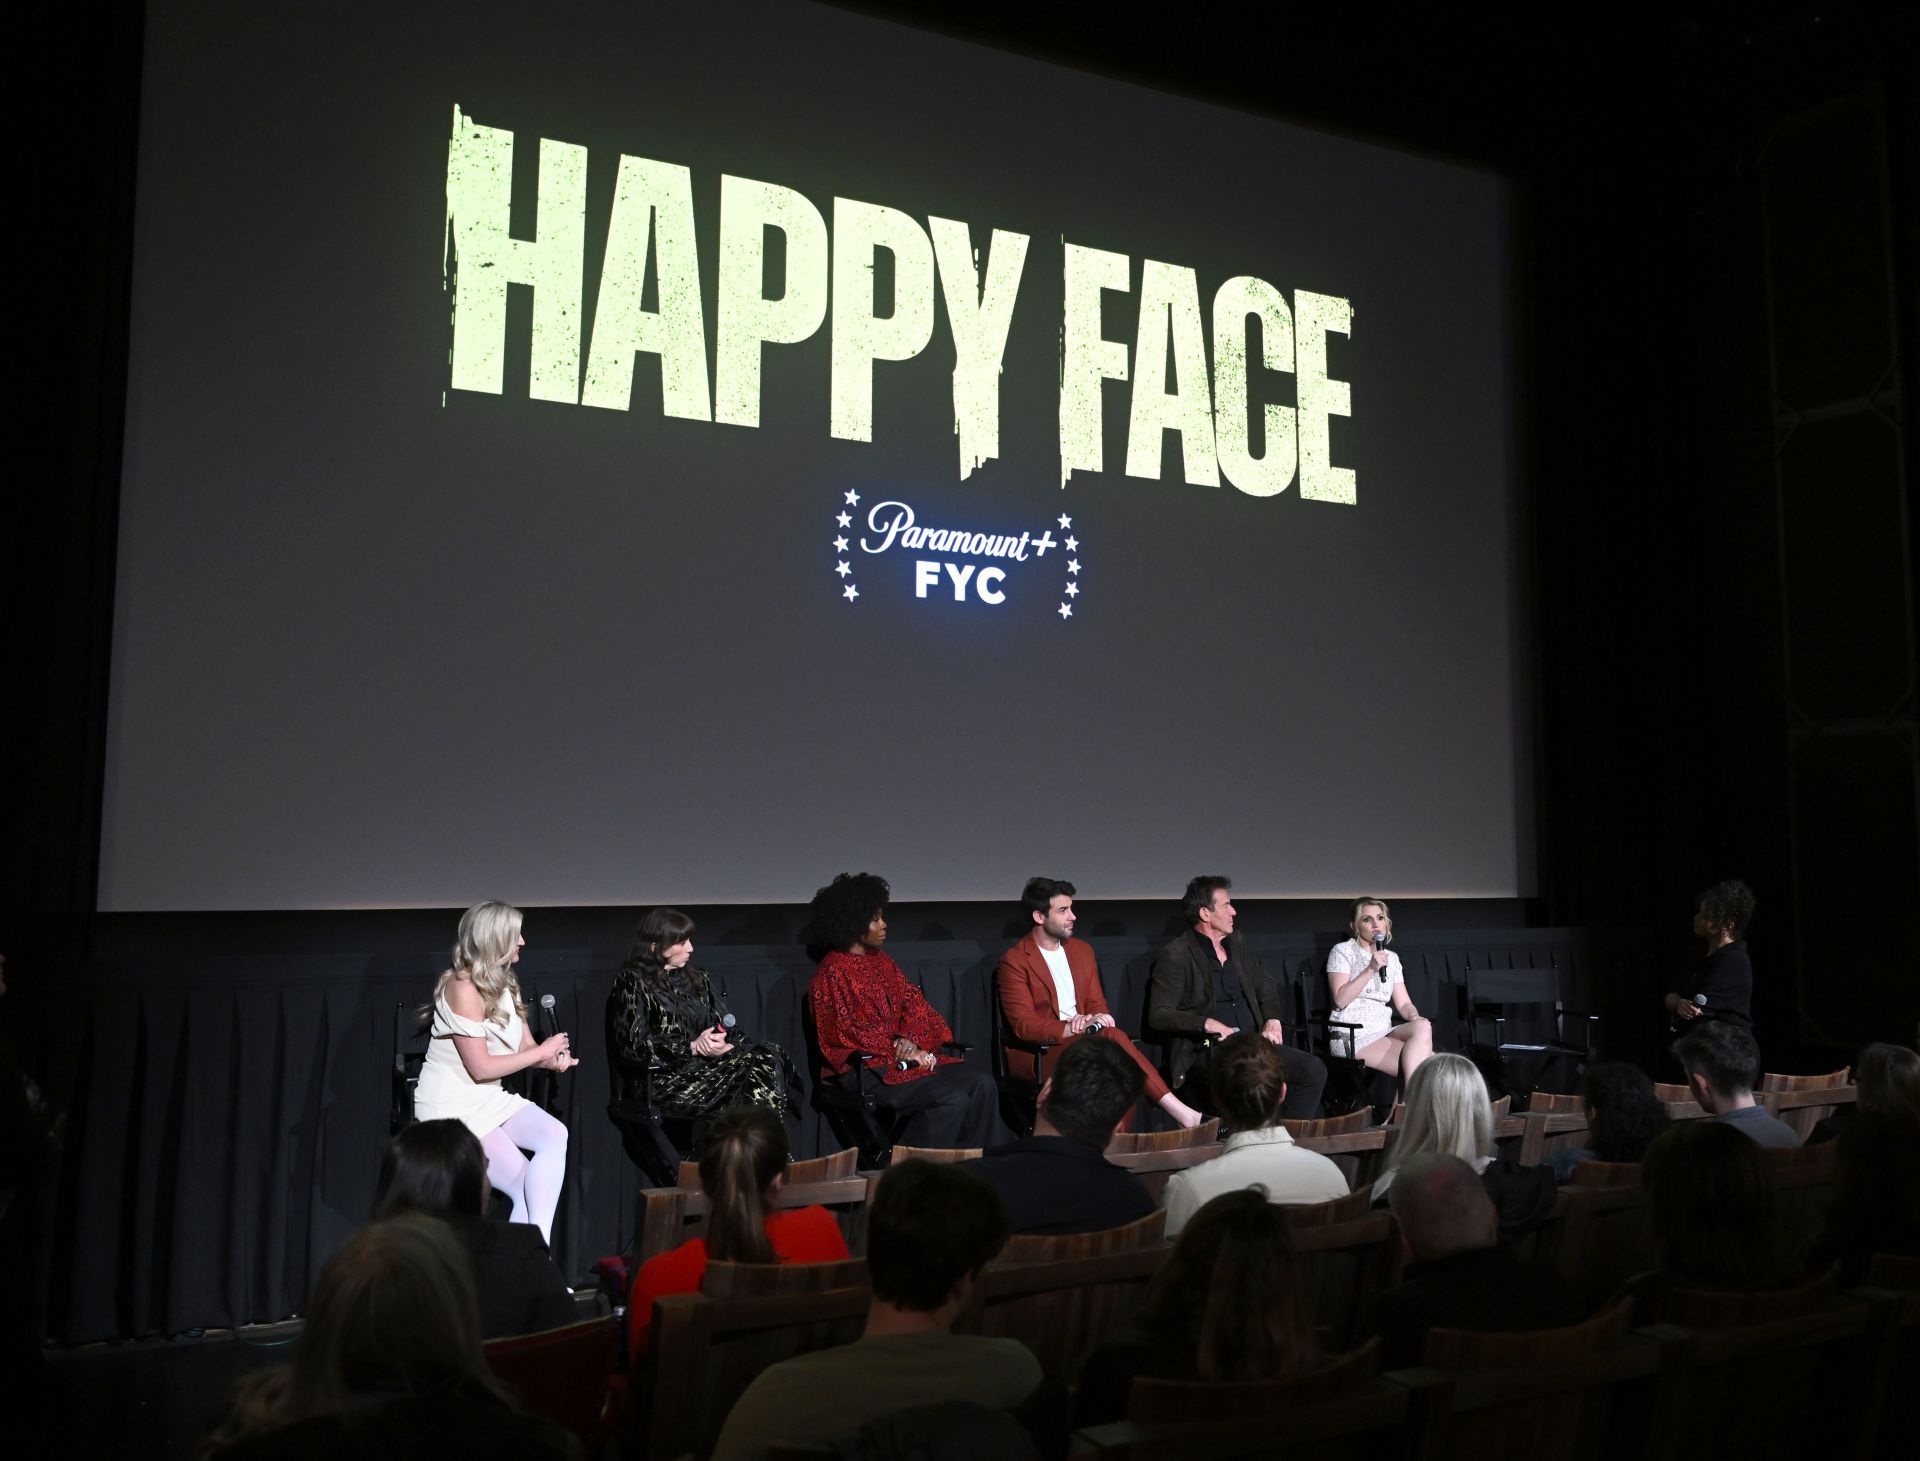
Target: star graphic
pixel 1073 565
pixel 1073 590
pixel 1065 521
pixel 839 545
pixel 1066 611
pixel 844 520
pixel 851 593
pixel 1073 545
pixel 842 569
pixel 853 498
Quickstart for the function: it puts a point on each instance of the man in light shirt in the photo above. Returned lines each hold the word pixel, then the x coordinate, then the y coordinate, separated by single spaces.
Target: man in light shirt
pixel 1249 1083
pixel 1049 986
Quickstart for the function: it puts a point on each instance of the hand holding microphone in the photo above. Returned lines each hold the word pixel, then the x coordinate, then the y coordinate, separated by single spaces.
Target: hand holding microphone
pixel 1380 956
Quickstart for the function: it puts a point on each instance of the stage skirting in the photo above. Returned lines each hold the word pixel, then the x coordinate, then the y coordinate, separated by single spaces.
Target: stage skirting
pixel 225 1116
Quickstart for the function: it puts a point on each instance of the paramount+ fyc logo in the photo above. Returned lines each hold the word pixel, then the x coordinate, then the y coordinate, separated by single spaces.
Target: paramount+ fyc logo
pixel 976 566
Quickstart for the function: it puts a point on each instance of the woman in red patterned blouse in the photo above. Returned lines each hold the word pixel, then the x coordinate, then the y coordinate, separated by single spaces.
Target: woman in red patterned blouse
pixel 864 1009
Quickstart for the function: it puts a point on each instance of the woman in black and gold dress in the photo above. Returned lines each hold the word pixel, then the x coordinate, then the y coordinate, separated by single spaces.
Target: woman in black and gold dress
pixel 666 1017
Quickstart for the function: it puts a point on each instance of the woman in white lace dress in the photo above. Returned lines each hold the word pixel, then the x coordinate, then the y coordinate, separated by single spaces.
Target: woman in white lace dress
pixel 480 1034
pixel 1368 987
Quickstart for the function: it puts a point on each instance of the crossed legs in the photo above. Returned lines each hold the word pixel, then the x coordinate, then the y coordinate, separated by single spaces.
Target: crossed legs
pixel 532 1186
pixel 1400 1050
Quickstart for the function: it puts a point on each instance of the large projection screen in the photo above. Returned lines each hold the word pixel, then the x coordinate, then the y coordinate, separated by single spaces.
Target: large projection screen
pixel 630 453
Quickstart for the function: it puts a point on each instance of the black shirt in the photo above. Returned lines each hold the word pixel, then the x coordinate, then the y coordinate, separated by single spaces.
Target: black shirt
pixel 1726 979
pixel 1053 1184
pixel 1485 1289
pixel 1230 1006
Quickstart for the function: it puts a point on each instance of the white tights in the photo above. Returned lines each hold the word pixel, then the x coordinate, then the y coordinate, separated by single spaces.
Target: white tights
pixel 534 1186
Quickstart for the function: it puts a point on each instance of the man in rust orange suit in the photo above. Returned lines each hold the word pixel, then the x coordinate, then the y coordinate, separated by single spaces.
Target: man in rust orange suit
pixel 1050 989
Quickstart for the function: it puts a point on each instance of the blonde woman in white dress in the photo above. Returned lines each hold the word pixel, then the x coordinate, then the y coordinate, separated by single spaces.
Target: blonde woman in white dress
pixel 480 1034
pixel 1367 985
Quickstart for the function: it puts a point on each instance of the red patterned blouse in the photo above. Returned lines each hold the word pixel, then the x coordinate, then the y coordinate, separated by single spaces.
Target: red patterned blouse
pixel 864 1002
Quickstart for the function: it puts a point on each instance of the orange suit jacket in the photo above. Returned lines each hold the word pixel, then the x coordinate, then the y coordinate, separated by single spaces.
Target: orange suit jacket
pixel 1027 996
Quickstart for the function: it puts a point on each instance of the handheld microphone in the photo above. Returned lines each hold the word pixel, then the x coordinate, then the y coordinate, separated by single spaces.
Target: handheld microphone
pixel 546 1008
pixel 727 1023
pixel 1380 947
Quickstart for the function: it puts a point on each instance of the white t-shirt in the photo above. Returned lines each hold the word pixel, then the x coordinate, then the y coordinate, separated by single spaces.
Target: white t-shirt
pixel 1062 980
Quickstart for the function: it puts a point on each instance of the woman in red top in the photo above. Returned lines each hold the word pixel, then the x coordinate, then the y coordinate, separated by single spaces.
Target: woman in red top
pixel 864 1009
pixel 743 1163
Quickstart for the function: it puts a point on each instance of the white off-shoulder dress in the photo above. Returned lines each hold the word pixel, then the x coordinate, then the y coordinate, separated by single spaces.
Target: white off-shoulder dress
pixel 446 1091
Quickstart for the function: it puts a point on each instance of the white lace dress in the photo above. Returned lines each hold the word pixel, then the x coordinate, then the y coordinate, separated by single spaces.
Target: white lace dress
pixel 447 1091
pixel 1372 1008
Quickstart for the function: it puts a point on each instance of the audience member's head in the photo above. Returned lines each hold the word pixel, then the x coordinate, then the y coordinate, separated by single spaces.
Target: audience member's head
pixel 1093 1086
pixel 930 1228
pixel 1248 1080
pixel 393 1313
pixel 743 1158
pixel 1711 1206
pixel 435 1167
pixel 1876 1199
pixel 1722 1062
pixel 1448 1111
pixel 1442 1207
pixel 1725 908
pixel 1889 1080
pixel 1230 1292
pixel 1624 1113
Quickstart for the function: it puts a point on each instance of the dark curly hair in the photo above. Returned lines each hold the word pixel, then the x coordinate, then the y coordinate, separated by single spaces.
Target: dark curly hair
pixel 1728 905
pixel 1627 1114
pixel 842 910
pixel 1039 893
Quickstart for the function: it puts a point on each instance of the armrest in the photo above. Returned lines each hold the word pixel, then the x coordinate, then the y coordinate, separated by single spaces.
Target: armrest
pixel 958 1047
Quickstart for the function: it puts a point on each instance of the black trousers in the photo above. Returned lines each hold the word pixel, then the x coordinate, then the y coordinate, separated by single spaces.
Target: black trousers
pixel 957 1106
pixel 1306 1079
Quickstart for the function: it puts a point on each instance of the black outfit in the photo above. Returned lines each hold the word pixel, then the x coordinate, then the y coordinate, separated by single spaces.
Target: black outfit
pixel 461 1423
pixel 1189 986
pixel 1117 1361
pixel 957 1106
pixel 521 1292
pixel 1726 979
pixel 1486 1289
pixel 1053 1184
pixel 655 1019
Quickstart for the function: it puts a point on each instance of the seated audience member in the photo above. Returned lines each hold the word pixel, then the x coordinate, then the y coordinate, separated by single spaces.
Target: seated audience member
pixel 743 1163
pixel 866 1011
pixel 1624 1115
pixel 1887 1078
pixel 1876 1201
pixel 1049 985
pixel 1448 1111
pixel 389 1364
pixel 439 1168
pixel 1712 1210
pixel 930 1230
pixel 1459 1275
pixel 1722 1061
pixel 1059 1180
pixel 1249 1084
pixel 1226 1306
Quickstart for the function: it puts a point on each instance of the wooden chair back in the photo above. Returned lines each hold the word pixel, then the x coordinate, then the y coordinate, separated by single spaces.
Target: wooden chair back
pixel 940 1154
pixel 1359 1120
pixel 1370 1423
pixel 562 1374
pixel 1607 1237
pixel 671 1215
pixel 1472 1349
pixel 1157 1402
pixel 830 1168
pixel 1503 1107
pixel 1802 1179
pixel 1554 1102
pixel 756 1280
pixel 1832 1080
pixel 1805 1108
pixel 1126 1143
pixel 1672 1092
pixel 1319 1214
pixel 1154 1168
pixel 1059 1294
pixel 1342 1266
pixel 1606 1174
pixel 1358 1154
pixel 706 1350
pixel 1721 1309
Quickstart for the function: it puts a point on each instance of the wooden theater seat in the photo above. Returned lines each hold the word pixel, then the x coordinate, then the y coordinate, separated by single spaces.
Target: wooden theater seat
pixel 1124 1143
pixel 1356 1204
pixel 831 1167
pixel 562 1374
pixel 1342 1266
pixel 941 1154
pixel 1301 1130
pixel 1156 1402
pixel 671 1215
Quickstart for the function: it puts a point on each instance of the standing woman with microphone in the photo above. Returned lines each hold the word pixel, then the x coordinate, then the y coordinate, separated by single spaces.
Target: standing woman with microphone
pixel 1367 985
pixel 480 1035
